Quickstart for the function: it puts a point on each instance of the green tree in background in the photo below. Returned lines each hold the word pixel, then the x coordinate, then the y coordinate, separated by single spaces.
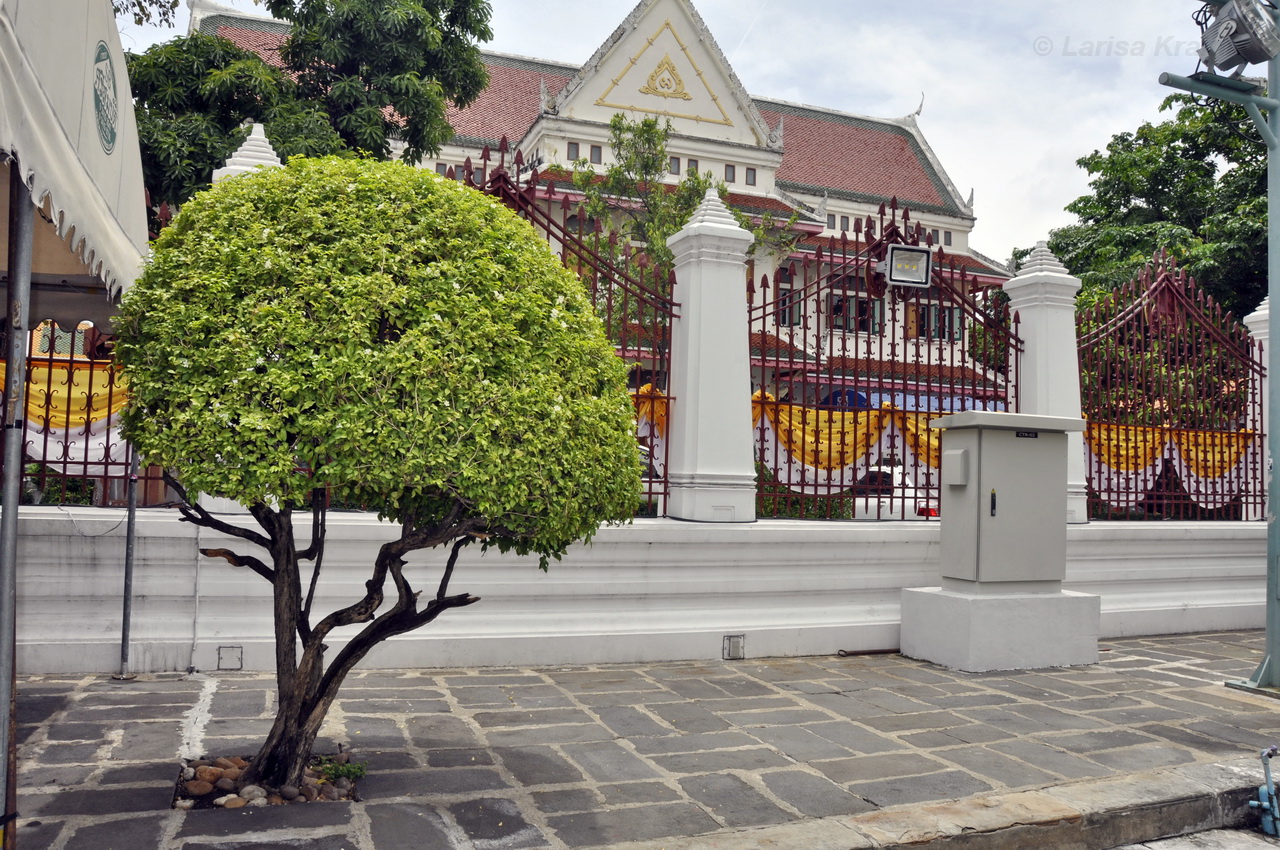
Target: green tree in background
pixel 387 69
pixel 631 199
pixel 376 333
pixel 1194 185
pixel 159 12
pixel 192 96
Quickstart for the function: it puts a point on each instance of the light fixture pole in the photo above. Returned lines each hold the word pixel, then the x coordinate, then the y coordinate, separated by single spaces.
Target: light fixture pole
pixel 1267 677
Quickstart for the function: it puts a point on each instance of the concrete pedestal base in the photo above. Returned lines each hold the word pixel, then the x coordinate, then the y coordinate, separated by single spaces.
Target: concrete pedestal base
pixel 1000 631
pixel 712 498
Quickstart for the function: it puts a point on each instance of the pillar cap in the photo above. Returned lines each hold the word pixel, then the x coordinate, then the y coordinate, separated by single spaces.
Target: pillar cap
pixel 255 152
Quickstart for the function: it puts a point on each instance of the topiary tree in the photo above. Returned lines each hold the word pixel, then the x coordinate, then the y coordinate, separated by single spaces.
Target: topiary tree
pixel 384 336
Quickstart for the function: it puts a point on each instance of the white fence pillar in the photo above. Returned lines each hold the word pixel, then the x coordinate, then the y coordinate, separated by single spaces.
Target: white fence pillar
pixel 1043 294
pixel 1259 324
pixel 711 460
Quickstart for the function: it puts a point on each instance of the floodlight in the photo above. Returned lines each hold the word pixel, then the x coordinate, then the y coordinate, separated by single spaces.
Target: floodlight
pixel 907 265
pixel 1242 33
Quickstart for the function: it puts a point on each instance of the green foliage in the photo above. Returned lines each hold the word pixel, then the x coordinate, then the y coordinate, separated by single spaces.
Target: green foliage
pixel 331 770
pixel 774 499
pixel 398 338
pixel 987 346
pixel 1192 185
pixel 192 96
pixel 142 12
pixel 387 68
pixel 630 198
pixel 44 486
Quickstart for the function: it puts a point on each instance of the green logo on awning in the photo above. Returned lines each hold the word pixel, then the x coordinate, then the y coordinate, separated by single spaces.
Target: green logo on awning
pixel 106 104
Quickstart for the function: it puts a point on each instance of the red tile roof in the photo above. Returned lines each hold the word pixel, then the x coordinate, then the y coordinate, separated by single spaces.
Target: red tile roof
pixel 852 156
pixel 265 44
pixel 898 371
pixel 510 104
pixel 770 347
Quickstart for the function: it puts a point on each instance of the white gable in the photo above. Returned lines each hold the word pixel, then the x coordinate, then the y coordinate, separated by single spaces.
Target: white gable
pixel 663 62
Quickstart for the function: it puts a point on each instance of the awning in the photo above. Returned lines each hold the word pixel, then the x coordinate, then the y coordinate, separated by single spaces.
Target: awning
pixel 66 113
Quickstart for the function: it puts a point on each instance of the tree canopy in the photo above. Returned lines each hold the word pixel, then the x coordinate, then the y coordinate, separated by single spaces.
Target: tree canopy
pixel 384 69
pixel 192 96
pixel 391 338
pixel 1194 185
pixel 147 11
pixel 631 198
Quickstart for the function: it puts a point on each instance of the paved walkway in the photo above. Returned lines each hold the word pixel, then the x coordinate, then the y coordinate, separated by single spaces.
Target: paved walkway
pixel 810 753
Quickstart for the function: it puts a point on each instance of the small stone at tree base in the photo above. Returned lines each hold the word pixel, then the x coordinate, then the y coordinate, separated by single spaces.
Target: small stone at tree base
pixel 252 792
pixel 310 792
pixel 274 800
pixel 197 788
pixel 208 774
pixel 225 784
pixel 184 805
pixel 289 792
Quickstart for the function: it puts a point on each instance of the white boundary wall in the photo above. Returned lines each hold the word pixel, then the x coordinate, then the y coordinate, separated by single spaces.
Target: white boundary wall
pixel 655 590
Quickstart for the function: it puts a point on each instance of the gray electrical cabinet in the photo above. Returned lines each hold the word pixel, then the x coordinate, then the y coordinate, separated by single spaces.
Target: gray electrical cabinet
pixel 1003 502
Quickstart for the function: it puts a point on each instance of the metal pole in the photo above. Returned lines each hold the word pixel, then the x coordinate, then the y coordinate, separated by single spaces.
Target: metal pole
pixel 21 233
pixel 129 538
pixel 1267 676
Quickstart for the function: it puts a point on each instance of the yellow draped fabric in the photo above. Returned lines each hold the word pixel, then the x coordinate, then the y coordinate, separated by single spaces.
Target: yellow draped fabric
pixel 832 439
pixel 1209 454
pixel 651 404
pixel 69 394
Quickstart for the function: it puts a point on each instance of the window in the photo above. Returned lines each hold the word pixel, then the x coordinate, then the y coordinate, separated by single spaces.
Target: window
pixel 442 168
pixel 936 321
pixel 573 152
pixel 856 313
pixel 691 166
pixel 946 238
pixel 933 234
pixel 674 165
pixel 597 154
pixel 730 174
pixel 844 224
pixel 751 177
pixel 477 175
pixel 831 221
pixel 790 308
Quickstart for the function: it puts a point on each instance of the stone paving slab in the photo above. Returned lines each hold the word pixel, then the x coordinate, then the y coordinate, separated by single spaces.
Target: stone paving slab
pixel 815 753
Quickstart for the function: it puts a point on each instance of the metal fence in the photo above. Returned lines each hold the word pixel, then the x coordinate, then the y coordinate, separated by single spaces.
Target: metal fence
pixel 1171 387
pixel 73 450
pixel 632 295
pixel 848 372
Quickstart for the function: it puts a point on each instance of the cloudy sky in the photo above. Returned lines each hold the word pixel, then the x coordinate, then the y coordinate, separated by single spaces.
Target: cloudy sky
pixel 1014 92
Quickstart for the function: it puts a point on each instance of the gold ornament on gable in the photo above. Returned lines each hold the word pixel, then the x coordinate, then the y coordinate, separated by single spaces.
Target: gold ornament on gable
pixel 665 81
